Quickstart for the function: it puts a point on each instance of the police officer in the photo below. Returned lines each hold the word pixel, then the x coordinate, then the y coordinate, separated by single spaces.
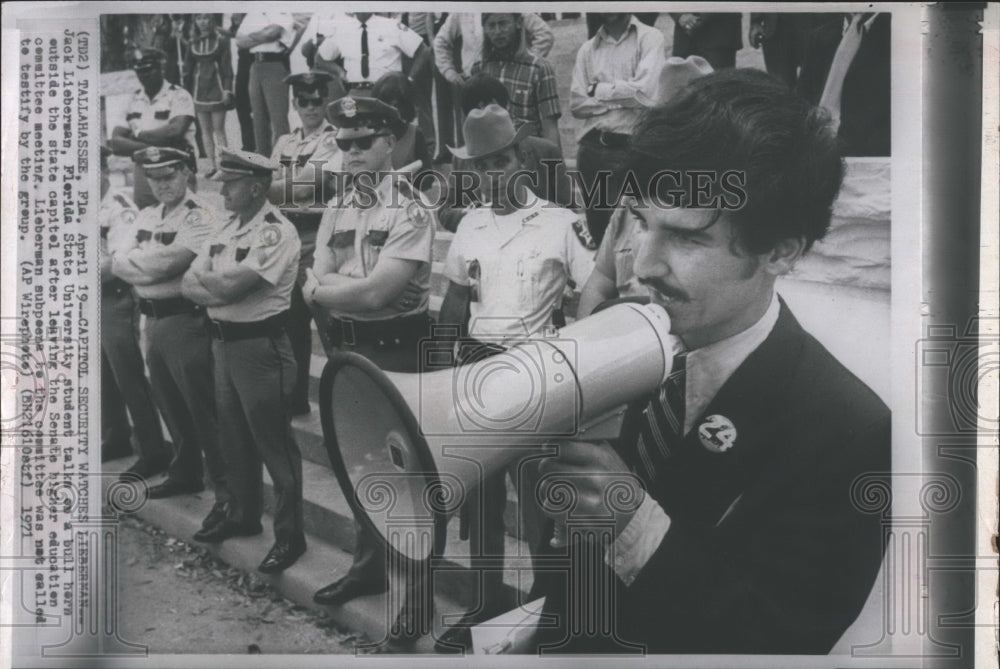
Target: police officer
pixel 308 156
pixel 372 46
pixel 244 275
pixel 153 259
pixel 507 266
pixel 123 377
pixel 372 272
pixel 159 114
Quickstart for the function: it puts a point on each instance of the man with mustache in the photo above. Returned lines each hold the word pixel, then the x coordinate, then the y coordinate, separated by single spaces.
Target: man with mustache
pixel 742 536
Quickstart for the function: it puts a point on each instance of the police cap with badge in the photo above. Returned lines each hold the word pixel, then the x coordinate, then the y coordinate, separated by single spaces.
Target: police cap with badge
pixel 144 60
pixel 235 165
pixel 356 118
pixel 312 83
pixel 162 161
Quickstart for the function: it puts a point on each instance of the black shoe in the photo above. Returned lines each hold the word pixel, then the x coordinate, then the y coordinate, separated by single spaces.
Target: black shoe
pixel 172 488
pixel 460 634
pixel 219 513
pixel 225 530
pixel 282 555
pixel 348 588
pixel 145 468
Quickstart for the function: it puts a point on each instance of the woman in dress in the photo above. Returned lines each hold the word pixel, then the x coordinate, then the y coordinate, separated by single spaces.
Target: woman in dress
pixel 208 73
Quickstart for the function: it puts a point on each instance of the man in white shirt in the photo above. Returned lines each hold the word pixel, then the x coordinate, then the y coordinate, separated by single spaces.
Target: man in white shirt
pixel 370 47
pixel 268 36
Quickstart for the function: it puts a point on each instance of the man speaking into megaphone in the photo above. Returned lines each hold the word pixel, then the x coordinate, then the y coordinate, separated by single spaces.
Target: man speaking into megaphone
pixel 745 538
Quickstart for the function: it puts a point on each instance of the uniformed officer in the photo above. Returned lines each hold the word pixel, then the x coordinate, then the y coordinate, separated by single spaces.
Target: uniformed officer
pixel 123 377
pixel 372 272
pixel 159 114
pixel 308 157
pixel 507 267
pixel 153 258
pixel 244 275
pixel 372 46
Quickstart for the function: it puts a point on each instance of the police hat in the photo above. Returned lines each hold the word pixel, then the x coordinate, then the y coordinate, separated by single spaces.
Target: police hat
pixel 309 82
pixel 235 165
pixel 153 158
pixel 147 59
pixel 361 117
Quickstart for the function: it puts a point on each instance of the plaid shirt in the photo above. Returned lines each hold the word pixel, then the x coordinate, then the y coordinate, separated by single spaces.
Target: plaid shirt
pixel 531 83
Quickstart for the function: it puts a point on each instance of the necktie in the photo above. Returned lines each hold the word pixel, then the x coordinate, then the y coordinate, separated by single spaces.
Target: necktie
pixel 662 427
pixel 364 51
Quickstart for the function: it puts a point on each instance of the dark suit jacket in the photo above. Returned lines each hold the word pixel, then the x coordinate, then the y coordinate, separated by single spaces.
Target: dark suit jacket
pixel 766 553
pixel 716 31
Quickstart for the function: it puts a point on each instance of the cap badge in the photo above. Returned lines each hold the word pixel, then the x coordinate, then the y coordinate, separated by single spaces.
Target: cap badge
pixel 350 108
pixel 717 433
pixel 153 154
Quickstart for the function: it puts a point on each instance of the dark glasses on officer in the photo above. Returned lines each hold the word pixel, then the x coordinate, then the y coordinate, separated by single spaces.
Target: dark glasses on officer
pixel 310 102
pixel 363 143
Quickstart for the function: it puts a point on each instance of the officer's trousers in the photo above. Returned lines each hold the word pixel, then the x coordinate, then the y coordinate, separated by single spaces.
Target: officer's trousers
pixel 120 348
pixel 269 103
pixel 253 382
pixel 180 373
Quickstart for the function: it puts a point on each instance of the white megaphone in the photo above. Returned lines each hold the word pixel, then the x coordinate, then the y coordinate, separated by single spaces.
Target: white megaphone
pixel 407 447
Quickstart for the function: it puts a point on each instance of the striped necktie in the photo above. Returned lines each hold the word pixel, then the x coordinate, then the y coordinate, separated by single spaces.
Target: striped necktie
pixel 662 425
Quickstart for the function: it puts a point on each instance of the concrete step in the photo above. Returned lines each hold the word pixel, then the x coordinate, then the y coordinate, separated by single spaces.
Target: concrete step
pixel 322 563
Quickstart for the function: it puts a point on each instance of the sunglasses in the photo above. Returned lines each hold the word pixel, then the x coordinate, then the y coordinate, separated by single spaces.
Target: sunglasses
pixel 363 143
pixel 310 102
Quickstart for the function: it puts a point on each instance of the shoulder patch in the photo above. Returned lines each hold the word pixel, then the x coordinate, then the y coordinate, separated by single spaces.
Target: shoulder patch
pixel 417 215
pixel 330 139
pixel 270 235
pixel 583 234
pixel 128 216
pixel 193 218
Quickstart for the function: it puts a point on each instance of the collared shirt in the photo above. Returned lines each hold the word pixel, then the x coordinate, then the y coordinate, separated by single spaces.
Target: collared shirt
pixel 388 42
pixel 188 225
pixel 461 35
pixel 298 149
pixel 518 266
pixel 531 84
pixel 169 102
pixel 269 245
pixel 255 21
pixel 616 257
pixel 708 369
pixel 627 74
pixel 385 223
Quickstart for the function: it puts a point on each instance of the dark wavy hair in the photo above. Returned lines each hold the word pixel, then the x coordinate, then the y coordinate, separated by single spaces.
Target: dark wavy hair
pixel 396 90
pixel 746 121
pixel 481 89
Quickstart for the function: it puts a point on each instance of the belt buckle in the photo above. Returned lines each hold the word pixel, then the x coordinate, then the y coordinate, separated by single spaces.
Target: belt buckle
pixel 217 330
pixel 151 305
pixel 347 332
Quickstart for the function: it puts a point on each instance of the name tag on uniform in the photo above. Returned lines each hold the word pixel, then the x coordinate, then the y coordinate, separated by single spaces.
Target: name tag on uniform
pixel 342 239
pixel 378 237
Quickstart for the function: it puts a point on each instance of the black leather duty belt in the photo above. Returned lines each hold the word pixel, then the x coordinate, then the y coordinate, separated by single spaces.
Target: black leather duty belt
pixel 114 286
pixel 232 331
pixel 170 306
pixel 613 140
pixel 393 331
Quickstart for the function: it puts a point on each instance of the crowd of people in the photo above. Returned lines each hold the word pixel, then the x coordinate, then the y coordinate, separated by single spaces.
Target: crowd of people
pixel 330 223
